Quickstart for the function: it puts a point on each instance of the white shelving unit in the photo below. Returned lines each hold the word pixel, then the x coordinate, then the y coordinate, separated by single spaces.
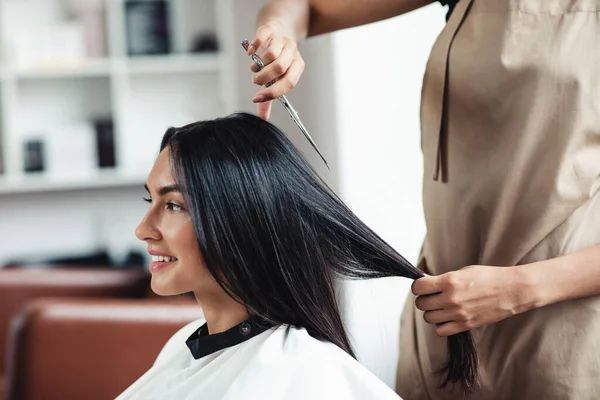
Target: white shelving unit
pixel 142 95
pixel 40 183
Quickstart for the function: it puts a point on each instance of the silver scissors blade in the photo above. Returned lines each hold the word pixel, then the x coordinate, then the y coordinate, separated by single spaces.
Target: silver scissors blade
pixel 288 106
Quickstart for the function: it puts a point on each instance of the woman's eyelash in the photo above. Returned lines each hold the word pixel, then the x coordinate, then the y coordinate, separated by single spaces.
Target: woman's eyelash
pixel 172 206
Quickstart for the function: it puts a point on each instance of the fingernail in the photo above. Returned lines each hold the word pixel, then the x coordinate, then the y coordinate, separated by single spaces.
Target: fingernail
pixel 259 98
pixel 251 49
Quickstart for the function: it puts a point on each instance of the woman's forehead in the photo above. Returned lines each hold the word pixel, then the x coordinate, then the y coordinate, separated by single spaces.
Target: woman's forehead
pixel 162 171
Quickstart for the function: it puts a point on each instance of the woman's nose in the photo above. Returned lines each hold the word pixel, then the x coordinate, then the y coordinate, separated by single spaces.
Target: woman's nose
pixel 147 230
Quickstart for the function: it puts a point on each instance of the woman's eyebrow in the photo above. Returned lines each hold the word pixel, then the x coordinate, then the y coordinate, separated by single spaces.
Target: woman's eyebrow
pixel 165 189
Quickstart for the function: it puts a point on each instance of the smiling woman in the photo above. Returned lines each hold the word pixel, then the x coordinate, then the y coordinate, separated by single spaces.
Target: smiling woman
pixel 238 217
pixel 177 263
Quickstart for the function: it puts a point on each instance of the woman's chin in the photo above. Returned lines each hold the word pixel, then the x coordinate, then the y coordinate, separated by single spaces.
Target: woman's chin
pixel 165 287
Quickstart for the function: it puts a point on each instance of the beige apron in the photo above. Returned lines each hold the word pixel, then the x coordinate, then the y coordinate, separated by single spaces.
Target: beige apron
pixel 511 141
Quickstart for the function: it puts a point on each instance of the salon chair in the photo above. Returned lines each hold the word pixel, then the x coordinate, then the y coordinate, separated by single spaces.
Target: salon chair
pixel 89 349
pixel 19 286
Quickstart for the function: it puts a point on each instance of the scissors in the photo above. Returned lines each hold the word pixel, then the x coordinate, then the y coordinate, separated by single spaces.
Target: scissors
pixel 287 105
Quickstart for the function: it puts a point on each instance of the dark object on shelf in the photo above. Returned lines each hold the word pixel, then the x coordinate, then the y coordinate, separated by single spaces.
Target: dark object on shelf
pixel 205 43
pixel 105 142
pixel 134 259
pixel 34 156
pixel 99 259
pixel 147 26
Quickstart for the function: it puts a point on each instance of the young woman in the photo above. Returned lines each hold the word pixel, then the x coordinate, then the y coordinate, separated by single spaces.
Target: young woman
pixel 238 217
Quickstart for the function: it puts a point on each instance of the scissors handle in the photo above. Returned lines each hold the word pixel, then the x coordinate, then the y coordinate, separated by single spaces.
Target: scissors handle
pixel 257 61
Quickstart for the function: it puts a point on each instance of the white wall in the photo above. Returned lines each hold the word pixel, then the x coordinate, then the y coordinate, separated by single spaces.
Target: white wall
pixel 378 75
pixel 313 98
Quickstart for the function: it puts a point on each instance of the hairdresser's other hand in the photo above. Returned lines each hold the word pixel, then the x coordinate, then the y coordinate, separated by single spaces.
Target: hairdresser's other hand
pixel 277 48
pixel 472 297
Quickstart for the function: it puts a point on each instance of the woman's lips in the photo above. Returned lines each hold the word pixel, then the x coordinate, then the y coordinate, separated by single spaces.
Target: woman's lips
pixel 156 266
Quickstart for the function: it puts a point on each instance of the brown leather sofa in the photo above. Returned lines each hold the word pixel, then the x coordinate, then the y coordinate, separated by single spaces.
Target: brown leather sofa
pixel 19 286
pixel 89 349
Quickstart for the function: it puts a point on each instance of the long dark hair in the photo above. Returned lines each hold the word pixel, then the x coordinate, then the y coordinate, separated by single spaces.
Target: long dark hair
pixel 276 237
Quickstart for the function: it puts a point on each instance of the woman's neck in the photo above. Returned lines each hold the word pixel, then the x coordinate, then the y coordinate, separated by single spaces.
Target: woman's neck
pixel 221 313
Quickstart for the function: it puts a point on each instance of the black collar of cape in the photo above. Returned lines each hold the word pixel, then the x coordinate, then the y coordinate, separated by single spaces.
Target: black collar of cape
pixel 202 344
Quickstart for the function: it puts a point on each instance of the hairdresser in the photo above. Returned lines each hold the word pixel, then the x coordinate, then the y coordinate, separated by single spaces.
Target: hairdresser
pixel 510 120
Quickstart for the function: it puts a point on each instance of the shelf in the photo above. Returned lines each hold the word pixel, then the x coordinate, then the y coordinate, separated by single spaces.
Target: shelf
pixel 209 62
pixel 44 183
pixel 45 88
pixel 83 68
pixel 162 64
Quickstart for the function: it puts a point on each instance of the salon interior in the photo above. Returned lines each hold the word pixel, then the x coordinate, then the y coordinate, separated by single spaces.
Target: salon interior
pixel 88 88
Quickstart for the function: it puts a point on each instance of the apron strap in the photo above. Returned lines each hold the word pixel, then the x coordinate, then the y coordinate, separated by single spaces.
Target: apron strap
pixel 440 58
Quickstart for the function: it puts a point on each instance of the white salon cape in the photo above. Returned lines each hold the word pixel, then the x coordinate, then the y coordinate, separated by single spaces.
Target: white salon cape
pixel 250 361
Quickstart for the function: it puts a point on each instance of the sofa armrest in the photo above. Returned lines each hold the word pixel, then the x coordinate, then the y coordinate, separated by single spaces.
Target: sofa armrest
pixel 92 349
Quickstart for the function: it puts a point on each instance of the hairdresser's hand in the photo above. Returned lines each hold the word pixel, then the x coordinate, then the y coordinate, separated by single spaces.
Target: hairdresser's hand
pixel 277 48
pixel 473 297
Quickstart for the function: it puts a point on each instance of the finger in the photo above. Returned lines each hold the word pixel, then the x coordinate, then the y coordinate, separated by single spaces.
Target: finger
pixel 254 67
pixel 437 317
pixel 427 285
pixel 279 88
pixel 264 109
pixel 450 328
pixel 429 302
pixel 294 72
pixel 272 51
pixel 262 38
pixel 287 82
pixel 277 69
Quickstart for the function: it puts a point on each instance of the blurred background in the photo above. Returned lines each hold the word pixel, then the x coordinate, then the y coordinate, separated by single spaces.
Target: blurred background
pixel 88 87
